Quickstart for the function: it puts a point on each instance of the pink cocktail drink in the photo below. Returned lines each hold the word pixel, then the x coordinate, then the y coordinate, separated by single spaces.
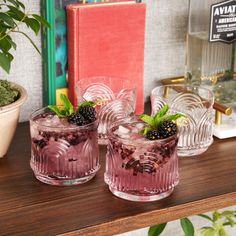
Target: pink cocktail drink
pixel 138 169
pixel 62 153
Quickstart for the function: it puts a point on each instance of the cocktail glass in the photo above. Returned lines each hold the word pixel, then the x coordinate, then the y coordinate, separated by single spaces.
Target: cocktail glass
pixel 138 169
pixel 196 103
pixel 62 153
pixel 115 98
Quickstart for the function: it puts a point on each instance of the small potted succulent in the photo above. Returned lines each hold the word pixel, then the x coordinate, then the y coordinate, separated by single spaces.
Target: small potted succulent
pixel 12 15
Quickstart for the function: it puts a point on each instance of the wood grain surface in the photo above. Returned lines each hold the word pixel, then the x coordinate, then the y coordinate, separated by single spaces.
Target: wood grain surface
pixel 29 207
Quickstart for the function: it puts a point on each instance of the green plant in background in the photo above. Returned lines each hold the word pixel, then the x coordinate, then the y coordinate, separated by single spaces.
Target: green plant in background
pixel 12 15
pixel 219 223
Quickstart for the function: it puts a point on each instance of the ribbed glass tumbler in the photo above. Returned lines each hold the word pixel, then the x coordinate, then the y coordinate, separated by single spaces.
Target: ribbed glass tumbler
pixel 196 103
pixel 138 169
pixel 62 153
pixel 115 98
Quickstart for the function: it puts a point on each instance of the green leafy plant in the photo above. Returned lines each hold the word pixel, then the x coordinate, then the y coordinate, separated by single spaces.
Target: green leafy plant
pixel 219 223
pixel 13 14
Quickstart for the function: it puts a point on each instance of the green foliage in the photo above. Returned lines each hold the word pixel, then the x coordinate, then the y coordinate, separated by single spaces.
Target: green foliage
pixel 12 15
pixel 66 110
pixel 187 227
pixel 7 93
pixel 219 221
pixel 156 230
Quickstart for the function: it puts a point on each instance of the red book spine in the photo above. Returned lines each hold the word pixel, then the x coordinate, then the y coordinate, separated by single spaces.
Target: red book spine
pixel 73 47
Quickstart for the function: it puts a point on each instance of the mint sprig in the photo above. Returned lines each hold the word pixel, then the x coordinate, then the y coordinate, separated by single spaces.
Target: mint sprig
pixel 155 121
pixel 87 103
pixel 66 110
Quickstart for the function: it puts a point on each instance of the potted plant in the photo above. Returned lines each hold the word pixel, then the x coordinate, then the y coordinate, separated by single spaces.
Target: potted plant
pixel 12 15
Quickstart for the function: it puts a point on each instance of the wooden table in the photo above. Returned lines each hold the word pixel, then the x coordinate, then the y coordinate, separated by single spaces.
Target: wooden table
pixel 29 207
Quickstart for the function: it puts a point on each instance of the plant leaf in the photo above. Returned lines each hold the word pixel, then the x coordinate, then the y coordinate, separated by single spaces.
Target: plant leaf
pixel 216 216
pixel 207 231
pixel 33 24
pixel 7 19
pixel 67 104
pixel 9 39
pixel 147 119
pixel 20 4
pixel 187 227
pixel 16 13
pixel 156 230
pixel 162 111
pixel 14 2
pixel 5 45
pixel 41 20
pixel 87 103
pixel 56 110
pixel 205 216
pixel 145 130
pixel 173 117
pixel 222 232
pixel 5 62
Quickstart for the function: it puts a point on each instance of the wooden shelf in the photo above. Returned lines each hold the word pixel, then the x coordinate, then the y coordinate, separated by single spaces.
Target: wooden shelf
pixel 29 207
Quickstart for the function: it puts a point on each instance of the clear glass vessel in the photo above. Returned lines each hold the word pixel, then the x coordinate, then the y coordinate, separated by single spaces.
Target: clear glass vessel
pixel 195 103
pixel 62 153
pixel 115 98
pixel 210 58
pixel 138 169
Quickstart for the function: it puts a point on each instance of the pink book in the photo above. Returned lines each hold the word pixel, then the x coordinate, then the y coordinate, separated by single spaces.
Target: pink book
pixel 106 39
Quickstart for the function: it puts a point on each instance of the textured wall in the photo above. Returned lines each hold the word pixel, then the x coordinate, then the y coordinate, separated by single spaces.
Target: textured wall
pixel 27 65
pixel 166 27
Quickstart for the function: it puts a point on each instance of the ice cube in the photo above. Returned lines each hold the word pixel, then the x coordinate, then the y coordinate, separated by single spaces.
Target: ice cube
pixel 123 130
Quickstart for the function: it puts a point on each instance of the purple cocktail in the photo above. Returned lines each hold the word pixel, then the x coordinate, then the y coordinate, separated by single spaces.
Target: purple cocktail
pixel 138 169
pixel 62 153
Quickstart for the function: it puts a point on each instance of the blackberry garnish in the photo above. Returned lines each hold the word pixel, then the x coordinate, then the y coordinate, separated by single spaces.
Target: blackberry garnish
pixel 88 112
pixel 77 119
pixel 160 125
pixel 153 135
pixel 167 129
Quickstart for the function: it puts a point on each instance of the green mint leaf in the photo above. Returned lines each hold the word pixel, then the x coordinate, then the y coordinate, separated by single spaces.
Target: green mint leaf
pixel 87 103
pixel 147 119
pixel 159 115
pixel 145 130
pixel 173 117
pixel 156 230
pixel 162 112
pixel 67 104
pixel 187 227
pixel 57 110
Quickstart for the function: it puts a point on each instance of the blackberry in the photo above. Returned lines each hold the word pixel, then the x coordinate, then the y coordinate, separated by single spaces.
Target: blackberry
pixel 167 129
pixel 88 113
pixel 77 119
pixel 153 135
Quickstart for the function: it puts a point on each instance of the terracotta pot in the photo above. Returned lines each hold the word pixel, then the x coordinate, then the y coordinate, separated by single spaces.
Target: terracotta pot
pixel 9 116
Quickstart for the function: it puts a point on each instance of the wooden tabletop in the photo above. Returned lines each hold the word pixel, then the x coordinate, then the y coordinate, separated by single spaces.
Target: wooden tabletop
pixel 29 207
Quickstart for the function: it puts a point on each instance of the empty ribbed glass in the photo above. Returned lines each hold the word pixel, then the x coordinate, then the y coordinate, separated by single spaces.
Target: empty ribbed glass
pixel 115 98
